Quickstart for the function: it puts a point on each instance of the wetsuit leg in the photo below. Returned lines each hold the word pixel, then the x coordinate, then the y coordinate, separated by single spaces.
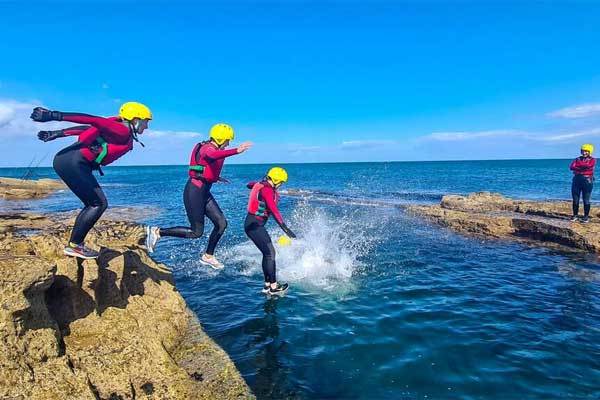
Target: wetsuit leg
pixel 256 231
pixel 587 187
pixel 575 193
pixel 214 213
pixel 77 174
pixel 194 199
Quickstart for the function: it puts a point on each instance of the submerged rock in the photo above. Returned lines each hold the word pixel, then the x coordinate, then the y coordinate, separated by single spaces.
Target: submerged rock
pixel 494 215
pixel 111 328
pixel 19 189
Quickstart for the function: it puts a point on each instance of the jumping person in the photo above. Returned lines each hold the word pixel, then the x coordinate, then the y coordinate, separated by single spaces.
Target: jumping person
pixel 206 163
pixel 583 182
pixel 262 203
pixel 100 142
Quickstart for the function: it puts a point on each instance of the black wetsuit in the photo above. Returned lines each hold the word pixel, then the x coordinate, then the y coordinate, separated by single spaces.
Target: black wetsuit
pixel 255 229
pixel 199 202
pixel 582 187
pixel 76 171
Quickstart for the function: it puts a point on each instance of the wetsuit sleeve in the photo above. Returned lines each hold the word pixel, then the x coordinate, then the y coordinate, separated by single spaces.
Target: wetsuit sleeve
pixel 75 130
pixel 109 124
pixel 250 185
pixel 269 198
pixel 212 154
pixel 573 166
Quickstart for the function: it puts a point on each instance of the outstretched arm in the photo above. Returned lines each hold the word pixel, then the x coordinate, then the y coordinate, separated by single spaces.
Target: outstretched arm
pixel 41 114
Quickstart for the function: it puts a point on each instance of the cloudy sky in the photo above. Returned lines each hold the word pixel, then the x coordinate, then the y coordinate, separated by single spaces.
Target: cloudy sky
pixel 310 81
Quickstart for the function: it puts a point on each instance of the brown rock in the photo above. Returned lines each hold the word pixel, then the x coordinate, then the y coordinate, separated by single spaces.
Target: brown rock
pixel 114 327
pixel 19 189
pixel 496 216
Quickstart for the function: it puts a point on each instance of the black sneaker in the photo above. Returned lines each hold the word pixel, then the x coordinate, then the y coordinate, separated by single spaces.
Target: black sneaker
pixel 574 218
pixel 80 251
pixel 265 289
pixel 279 290
pixel 585 220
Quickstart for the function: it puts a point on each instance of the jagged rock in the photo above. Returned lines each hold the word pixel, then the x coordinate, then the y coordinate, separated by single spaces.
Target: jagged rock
pixel 494 215
pixel 19 189
pixel 110 328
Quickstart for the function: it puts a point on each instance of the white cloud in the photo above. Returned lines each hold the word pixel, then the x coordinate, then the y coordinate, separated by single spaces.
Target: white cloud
pixel 578 111
pixel 152 133
pixel 460 136
pixel 369 143
pixel 15 121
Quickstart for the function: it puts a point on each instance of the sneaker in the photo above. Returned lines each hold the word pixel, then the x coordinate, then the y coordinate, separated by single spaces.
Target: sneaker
pixel 79 250
pixel 211 261
pixel 152 236
pixel 574 218
pixel 279 290
pixel 265 288
pixel 585 220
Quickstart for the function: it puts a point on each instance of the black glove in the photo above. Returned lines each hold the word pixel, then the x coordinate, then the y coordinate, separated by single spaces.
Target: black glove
pixel 288 231
pixel 46 136
pixel 41 114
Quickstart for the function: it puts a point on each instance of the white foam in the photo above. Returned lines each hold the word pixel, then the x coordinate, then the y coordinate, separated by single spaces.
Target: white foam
pixel 325 256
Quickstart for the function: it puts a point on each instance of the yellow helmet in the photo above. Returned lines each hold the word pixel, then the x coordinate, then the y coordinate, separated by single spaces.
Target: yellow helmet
pixel 131 110
pixel 277 175
pixel 587 147
pixel 221 132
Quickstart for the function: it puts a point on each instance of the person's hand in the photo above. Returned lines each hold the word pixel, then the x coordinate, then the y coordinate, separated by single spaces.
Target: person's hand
pixel 288 231
pixel 46 136
pixel 243 147
pixel 41 114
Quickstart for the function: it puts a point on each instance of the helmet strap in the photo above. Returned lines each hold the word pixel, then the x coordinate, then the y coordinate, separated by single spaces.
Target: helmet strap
pixel 133 130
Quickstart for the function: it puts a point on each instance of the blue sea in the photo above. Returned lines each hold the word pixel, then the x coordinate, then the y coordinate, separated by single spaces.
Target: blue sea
pixel 382 305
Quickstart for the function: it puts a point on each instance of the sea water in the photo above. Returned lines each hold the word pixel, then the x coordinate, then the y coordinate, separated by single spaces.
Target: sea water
pixel 382 304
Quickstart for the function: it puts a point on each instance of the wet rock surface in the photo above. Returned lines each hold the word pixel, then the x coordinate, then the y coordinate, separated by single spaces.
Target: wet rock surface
pixel 21 189
pixel 494 215
pixel 111 328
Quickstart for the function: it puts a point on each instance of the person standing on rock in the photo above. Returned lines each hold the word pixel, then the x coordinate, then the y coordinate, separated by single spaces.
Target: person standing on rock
pixel 583 182
pixel 100 142
pixel 206 163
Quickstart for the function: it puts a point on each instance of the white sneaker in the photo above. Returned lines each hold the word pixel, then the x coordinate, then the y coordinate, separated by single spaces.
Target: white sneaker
pixel 211 261
pixel 152 236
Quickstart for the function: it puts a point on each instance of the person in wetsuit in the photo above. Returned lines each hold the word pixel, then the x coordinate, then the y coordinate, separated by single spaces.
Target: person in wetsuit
pixel 583 182
pixel 262 203
pixel 100 142
pixel 206 163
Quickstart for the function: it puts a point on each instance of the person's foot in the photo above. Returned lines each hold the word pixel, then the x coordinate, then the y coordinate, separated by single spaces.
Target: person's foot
pixel 574 218
pixel 211 261
pixel 279 290
pixel 152 236
pixel 265 288
pixel 585 220
pixel 80 251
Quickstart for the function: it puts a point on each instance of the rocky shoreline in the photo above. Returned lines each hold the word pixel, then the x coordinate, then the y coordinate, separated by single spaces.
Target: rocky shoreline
pixel 111 328
pixel 493 215
pixel 23 189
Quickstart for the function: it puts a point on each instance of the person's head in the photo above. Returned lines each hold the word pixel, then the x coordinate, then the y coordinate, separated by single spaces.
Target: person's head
pixel 587 149
pixel 221 135
pixel 277 176
pixel 136 115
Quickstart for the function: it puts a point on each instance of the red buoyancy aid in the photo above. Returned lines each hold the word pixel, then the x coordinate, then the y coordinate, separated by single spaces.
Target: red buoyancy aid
pixel 197 167
pixel 256 206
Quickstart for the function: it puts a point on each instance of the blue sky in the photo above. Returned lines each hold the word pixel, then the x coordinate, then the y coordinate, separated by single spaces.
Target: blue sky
pixel 311 81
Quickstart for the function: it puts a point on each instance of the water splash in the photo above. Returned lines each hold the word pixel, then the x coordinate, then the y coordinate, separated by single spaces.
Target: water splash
pixel 327 253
